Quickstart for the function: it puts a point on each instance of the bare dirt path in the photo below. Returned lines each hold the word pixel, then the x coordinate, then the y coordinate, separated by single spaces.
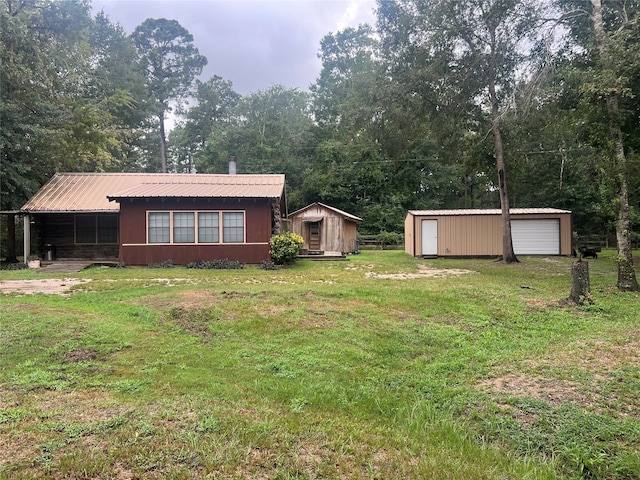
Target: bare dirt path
pixel 51 286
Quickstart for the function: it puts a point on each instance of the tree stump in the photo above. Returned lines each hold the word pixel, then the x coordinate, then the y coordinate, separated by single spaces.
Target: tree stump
pixel 580 290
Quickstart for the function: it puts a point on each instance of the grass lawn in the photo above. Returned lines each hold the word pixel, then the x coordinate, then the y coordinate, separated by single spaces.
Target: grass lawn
pixel 380 367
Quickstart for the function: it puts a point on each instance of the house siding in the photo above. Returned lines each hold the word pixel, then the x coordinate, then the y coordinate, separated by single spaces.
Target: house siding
pixel 134 249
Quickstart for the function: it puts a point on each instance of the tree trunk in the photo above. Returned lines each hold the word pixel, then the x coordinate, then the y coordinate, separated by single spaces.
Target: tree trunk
pixel 508 255
pixel 580 289
pixel 11 239
pixel 163 143
pixel 626 274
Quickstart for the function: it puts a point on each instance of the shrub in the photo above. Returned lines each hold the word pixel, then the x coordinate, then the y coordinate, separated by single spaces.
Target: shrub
pixel 389 238
pixel 13 266
pixel 268 265
pixel 285 247
pixel 220 264
pixel 165 264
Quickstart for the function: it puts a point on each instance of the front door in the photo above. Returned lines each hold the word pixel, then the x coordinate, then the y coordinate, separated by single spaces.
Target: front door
pixel 429 237
pixel 314 236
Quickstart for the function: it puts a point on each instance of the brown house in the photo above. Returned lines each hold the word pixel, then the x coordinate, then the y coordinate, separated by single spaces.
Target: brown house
pixel 443 233
pixel 140 218
pixel 325 229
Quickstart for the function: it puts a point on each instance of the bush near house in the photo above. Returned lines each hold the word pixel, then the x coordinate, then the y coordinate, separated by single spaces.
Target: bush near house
pixel 285 247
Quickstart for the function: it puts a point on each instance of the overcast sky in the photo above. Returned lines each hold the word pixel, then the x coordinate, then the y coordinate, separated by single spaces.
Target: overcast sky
pixel 253 43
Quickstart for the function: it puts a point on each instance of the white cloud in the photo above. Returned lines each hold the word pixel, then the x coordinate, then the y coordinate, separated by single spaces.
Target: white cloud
pixel 253 43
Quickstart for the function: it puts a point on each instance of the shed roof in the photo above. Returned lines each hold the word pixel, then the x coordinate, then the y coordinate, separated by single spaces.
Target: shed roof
pixel 322 205
pixel 92 192
pixel 489 211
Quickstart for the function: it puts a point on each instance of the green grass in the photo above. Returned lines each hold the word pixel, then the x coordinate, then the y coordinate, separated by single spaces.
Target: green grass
pixel 323 370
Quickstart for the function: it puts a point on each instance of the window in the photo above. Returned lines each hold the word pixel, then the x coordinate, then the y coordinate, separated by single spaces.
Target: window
pixel 181 227
pixel 107 229
pixel 93 229
pixel 159 227
pixel 233 227
pixel 86 229
pixel 184 227
pixel 208 227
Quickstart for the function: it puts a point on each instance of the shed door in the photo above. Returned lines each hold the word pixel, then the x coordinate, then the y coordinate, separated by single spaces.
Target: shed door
pixel 429 237
pixel 314 235
pixel 536 236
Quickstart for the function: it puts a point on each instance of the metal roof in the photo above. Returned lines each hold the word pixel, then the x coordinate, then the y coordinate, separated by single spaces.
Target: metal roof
pixel 336 210
pixel 489 211
pixel 92 192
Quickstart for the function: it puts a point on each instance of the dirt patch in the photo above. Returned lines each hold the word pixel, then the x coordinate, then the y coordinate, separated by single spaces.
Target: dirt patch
pixel 423 272
pixel 598 357
pixel 69 408
pixel 49 286
pixel 195 321
pixel 549 390
pixel 80 355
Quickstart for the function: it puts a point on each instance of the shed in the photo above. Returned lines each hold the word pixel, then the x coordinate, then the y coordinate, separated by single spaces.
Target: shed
pixel 140 218
pixel 449 233
pixel 325 229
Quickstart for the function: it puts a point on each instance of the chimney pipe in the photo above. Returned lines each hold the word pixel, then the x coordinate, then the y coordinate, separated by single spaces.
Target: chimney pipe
pixel 232 165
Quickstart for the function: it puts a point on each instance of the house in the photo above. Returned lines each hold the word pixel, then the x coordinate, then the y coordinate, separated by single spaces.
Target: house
pixel 443 233
pixel 141 218
pixel 325 229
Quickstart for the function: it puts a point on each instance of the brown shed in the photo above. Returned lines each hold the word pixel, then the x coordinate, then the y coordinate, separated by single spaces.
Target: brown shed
pixel 140 218
pixel 325 229
pixel 445 233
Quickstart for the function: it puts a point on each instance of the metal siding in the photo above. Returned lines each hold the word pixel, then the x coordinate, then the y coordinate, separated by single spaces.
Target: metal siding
pixel 408 235
pixel 478 235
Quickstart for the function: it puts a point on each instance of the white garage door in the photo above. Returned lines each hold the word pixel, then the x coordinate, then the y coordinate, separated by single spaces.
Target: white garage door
pixel 536 237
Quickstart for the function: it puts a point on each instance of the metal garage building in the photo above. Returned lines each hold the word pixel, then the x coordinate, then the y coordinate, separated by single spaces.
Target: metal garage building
pixel 450 233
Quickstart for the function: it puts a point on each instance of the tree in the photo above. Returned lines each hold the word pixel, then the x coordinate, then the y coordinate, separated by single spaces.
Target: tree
pixel 117 84
pixel 608 66
pixel 171 62
pixel 268 132
pixel 347 63
pixel 465 51
pixel 215 100
pixel 44 57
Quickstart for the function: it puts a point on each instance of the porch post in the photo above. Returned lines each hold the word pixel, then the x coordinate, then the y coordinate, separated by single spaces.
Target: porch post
pixel 27 237
pixel 277 221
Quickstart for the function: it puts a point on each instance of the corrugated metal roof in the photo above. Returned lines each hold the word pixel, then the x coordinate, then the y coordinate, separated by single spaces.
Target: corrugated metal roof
pixel 90 192
pixel 336 210
pixel 489 211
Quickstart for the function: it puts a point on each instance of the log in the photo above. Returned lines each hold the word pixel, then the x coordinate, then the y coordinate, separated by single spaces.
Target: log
pixel 580 289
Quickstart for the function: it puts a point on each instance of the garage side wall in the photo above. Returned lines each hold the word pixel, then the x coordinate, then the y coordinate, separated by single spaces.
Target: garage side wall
pixel 409 235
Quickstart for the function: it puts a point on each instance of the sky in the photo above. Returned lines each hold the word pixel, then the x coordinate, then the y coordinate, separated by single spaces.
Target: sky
pixel 253 43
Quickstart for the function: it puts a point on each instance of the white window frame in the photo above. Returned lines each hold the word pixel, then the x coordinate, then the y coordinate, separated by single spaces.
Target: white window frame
pixel 196 227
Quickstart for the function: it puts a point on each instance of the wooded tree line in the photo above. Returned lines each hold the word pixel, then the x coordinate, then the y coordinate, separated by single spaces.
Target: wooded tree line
pixel 441 104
